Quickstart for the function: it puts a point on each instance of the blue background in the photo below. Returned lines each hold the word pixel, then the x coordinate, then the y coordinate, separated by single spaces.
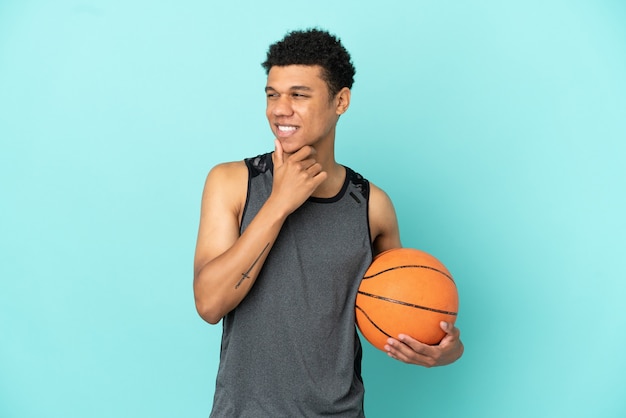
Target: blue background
pixel 497 128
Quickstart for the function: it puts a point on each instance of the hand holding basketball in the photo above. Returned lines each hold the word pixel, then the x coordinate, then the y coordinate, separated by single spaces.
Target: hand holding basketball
pixel 411 351
pixel 405 291
pixel 406 305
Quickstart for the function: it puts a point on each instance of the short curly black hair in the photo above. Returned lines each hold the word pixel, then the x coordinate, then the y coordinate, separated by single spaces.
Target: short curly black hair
pixel 314 47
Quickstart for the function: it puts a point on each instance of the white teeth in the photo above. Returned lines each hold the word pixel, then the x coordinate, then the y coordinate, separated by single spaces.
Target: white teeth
pixel 286 128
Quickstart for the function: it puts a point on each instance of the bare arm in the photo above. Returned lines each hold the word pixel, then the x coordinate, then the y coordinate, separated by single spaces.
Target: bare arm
pixel 226 264
pixel 385 235
pixel 383 221
pixel 222 257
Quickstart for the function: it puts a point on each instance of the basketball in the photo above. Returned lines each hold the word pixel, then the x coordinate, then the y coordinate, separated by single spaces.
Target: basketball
pixel 405 291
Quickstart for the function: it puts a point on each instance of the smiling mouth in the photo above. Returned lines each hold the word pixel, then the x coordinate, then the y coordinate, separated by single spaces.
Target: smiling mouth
pixel 285 131
pixel 286 128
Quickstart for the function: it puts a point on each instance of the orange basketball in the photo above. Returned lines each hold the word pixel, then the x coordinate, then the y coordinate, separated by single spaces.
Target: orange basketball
pixel 405 291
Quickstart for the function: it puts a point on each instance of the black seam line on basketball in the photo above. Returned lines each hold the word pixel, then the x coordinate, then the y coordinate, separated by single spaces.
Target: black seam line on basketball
pixel 410 266
pixel 412 305
pixel 372 322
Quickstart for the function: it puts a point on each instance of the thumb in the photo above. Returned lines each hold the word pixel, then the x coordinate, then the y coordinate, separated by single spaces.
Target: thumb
pixel 279 158
pixel 451 331
pixel 449 328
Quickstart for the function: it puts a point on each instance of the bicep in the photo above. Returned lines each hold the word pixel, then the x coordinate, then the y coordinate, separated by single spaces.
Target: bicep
pixel 383 222
pixel 222 202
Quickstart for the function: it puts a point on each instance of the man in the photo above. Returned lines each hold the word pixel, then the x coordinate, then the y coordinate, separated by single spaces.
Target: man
pixel 283 242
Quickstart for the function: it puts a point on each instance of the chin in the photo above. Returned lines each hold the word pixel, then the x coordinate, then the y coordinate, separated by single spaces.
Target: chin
pixel 290 146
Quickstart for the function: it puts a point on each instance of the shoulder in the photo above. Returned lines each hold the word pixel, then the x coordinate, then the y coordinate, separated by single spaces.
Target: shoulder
pixel 380 205
pixel 227 184
pixel 227 174
pixel 378 197
pixel 231 167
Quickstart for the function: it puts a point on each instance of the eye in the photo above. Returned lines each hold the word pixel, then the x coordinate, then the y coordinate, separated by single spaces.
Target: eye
pixel 299 95
pixel 272 95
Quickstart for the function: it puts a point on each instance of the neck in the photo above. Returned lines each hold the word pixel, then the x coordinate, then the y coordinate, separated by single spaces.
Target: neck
pixel 333 183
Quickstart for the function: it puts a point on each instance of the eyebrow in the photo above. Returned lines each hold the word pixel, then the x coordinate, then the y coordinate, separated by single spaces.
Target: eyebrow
pixel 292 88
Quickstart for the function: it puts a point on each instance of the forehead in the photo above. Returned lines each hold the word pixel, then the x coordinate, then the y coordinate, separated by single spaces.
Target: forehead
pixel 288 76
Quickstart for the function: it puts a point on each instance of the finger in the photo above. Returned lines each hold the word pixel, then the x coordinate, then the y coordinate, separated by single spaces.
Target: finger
pixel 311 166
pixel 303 153
pixel 278 153
pixel 450 330
pixel 315 174
pixel 314 169
pixel 415 345
pixel 320 177
pixel 403 352
pixel 305 165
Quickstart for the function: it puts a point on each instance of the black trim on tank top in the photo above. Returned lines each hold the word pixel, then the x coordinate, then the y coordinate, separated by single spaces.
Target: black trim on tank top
pixel 360 183
pixel 250 166
pixel 260 164
pixel 339 195
pixel 263 163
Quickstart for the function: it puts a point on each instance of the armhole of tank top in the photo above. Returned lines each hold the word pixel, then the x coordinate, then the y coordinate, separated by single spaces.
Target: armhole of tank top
pixel 245 206
pixel 367 217
pixel 355 178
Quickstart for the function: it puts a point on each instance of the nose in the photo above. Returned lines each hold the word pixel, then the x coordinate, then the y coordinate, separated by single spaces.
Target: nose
pixel 280 106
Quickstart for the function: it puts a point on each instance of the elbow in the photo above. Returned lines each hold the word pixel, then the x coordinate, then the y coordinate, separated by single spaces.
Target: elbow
pixel 210 302
pixel 208 312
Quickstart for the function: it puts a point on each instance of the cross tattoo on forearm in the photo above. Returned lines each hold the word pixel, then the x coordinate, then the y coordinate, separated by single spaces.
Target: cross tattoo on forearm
pixel 245 275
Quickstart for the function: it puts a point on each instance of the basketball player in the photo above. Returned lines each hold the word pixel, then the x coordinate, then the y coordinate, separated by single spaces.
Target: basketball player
pixel 283 242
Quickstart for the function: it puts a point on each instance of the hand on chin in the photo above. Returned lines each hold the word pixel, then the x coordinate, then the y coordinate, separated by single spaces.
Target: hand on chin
pixel 290 147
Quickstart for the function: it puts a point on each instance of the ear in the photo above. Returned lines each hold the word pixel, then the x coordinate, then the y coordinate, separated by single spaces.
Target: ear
pixel 342 100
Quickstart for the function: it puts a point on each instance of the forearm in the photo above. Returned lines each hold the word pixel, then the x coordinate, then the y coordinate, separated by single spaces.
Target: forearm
pixel 222 283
